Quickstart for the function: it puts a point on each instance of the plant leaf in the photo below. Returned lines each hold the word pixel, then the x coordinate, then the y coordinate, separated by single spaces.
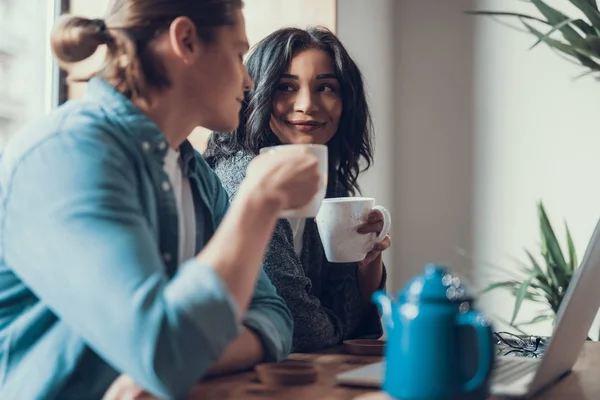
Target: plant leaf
pixel 500 285
pixel 555 17
pixel 536 319
pixel 584 27
pixel 550 241
pixel 578 33
pixel 519 297
pixel 531 296
pixel 590 9
pixel 507 14
pixel 555 281
pixel 573 262
pixel 553 43
pixel 529 272
pixel 585 60
pixel 536 267
pixel 586 74
pixel 537 274
pixel 547 290
pixel 551 31
pixel 594 44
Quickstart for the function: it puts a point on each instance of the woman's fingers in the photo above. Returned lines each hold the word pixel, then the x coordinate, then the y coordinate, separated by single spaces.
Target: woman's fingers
pixel 377 250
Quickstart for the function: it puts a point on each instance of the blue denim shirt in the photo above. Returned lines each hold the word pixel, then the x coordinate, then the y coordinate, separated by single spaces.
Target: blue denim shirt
pixel 89 282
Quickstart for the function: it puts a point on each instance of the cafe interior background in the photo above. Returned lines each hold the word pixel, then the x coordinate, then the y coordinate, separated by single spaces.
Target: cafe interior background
pixel 472 128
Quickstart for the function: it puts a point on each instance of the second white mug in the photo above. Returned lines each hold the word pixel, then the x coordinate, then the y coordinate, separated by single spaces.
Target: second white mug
pixel 338 220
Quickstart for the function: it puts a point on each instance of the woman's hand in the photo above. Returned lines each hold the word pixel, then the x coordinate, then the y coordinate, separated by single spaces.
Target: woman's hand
pixel 374 224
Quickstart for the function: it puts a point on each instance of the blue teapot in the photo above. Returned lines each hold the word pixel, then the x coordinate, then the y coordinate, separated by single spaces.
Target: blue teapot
pixel 438 346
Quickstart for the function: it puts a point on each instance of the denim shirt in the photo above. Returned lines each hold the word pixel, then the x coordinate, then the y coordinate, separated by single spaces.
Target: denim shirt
pixel 89 282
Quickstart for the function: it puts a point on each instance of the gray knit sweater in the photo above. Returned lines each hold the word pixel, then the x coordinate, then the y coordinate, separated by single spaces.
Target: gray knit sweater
pixel 323 297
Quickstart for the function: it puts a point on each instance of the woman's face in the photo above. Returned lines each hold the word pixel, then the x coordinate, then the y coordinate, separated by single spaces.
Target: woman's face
pixel 307 104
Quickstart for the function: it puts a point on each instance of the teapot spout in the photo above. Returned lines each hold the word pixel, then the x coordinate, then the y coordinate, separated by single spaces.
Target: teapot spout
pixel 384 303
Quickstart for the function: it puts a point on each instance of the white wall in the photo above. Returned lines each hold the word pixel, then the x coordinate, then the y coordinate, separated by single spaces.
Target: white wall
pixel 434 130
pixel 473 129
pixel 417 60
pixel 265 16
pixel 366 29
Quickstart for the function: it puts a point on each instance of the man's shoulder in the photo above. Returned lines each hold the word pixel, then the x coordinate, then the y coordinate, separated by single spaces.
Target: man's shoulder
pixel 75 127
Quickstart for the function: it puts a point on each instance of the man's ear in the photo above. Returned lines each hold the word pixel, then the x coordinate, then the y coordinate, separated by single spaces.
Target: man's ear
pixel 184 40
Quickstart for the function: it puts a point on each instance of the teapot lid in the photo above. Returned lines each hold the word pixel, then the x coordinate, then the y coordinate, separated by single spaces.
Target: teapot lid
pixel 437 283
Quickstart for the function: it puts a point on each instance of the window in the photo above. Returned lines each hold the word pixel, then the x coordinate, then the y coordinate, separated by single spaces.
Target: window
pixel 28 75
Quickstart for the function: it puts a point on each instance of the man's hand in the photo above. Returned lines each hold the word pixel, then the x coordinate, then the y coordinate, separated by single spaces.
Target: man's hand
pixel 124 388
pixel 243 353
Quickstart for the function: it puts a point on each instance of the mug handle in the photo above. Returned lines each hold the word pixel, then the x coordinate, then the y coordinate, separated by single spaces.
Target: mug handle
pixel 485 344
pixel 387 223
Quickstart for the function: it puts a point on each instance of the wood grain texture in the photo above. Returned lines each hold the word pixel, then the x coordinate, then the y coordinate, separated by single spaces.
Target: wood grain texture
pixel 582 384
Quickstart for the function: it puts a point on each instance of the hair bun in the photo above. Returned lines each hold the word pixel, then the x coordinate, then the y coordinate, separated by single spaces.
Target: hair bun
pixel 74 38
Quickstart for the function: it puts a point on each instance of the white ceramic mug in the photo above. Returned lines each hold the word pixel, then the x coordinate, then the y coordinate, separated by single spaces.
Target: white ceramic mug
pixel 338 220
pixel 320 151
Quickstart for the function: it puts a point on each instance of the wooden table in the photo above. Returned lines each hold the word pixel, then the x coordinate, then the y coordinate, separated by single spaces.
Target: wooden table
pixel 582 384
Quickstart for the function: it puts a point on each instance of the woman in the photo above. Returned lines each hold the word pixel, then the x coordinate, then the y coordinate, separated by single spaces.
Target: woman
pixel 111 261
pixel 309 90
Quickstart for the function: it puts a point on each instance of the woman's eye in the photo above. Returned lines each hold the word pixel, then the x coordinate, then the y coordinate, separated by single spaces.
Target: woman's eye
pixel 326 88
pixel 285 87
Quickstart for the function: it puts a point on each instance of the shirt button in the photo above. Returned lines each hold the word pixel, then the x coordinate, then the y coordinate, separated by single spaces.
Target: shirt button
pixel 166 186
pixel 162 146
pixel 167 257
pixel 145 146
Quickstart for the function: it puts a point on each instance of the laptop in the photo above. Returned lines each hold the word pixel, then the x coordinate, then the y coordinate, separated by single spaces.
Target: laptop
pixel 522 377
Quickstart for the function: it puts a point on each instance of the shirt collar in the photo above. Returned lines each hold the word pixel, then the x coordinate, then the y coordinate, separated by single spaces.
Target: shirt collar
pixel 141 128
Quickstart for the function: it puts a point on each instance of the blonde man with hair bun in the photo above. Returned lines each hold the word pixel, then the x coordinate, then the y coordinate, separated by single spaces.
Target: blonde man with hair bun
pixel 117 256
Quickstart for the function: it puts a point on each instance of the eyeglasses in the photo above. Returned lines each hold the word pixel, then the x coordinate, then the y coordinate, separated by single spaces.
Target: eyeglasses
pixel 524 346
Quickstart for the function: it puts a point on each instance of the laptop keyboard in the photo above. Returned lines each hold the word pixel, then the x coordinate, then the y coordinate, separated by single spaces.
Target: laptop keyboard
pixel 507 369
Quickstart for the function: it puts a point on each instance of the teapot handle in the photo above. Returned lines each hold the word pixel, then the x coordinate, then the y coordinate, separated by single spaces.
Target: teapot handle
pixel 485 343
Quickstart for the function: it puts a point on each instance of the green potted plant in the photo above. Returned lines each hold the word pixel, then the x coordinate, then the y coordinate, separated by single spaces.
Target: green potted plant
pixel 577 38
pixel 544 278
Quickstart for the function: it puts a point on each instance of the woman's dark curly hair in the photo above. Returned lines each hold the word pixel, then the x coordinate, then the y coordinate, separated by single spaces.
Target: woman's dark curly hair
pixel 267 62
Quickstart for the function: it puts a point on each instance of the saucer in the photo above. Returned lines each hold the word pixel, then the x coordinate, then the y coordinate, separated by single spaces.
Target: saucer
pixel 364 347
